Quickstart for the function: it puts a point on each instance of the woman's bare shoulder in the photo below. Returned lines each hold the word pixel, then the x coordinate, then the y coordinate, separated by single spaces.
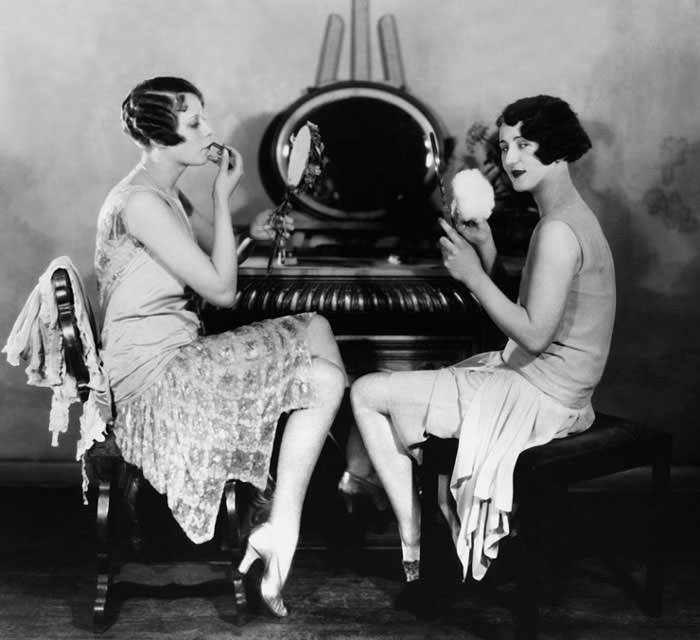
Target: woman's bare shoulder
pixel 146 211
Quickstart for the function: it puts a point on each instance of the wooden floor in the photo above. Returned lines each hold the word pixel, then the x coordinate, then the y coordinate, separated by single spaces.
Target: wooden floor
pixel 47 563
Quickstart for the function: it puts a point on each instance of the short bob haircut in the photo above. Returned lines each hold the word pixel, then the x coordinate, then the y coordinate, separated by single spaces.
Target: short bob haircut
pixel 149 112
pixel 551 123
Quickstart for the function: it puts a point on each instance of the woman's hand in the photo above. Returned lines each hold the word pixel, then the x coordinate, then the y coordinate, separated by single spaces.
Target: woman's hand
pixel 476 232
pixel 459 256
pixel 227 179
pixel 260 228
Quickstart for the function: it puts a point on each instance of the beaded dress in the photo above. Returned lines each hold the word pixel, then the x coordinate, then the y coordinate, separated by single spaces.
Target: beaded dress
pixel 191 411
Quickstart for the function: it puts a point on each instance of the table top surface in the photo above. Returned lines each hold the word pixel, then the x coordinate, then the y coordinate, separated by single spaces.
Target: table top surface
pixel 343 266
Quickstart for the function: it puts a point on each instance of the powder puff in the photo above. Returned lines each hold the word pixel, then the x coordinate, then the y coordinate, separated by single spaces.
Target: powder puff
pixel 473 195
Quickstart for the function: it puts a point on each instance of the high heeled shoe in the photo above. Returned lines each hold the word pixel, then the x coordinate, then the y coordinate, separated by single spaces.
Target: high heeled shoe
pixel 351 486
pixel 261 546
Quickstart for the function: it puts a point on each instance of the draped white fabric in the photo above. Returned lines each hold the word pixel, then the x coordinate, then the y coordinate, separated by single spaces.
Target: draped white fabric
pixel 506 416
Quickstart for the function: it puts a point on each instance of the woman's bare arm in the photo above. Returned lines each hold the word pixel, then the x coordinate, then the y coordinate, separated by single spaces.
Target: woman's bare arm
pixel 152 221
pixel 478 233
pixel 532 322
pixel 202 226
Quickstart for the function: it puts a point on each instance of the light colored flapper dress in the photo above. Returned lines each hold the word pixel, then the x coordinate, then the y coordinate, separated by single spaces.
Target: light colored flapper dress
pixel 192 411
pixel 500 403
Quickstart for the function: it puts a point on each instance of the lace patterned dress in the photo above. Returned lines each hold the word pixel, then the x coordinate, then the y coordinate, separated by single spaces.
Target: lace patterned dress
pixel 192 411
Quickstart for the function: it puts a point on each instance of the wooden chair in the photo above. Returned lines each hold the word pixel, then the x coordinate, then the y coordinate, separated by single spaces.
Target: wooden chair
pixel 542 475
pixel 117 483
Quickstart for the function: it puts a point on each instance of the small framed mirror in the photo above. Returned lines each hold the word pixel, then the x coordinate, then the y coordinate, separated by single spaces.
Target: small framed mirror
pixel 299 156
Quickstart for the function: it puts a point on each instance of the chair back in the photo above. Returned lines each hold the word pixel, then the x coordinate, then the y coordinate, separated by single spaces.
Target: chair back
pixel 73 354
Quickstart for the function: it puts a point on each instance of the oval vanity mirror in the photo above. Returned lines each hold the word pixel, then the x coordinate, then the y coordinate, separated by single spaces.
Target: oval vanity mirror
pixel 377 150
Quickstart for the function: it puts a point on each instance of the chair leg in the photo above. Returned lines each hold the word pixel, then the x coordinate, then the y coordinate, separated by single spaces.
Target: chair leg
pixel 233 535
pixel 104 553
pixel 132 485
pixel 656 545
pixel 229 542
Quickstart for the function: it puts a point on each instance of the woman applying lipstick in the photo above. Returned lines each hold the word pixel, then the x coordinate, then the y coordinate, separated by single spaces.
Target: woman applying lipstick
pixel 193 411
pixel 539 386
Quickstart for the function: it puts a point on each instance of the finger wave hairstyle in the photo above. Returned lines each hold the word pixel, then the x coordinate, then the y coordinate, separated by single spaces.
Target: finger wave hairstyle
pixel 552 124
pixel 150 111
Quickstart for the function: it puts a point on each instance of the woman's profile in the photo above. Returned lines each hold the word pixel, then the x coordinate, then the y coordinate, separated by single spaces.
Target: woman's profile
pixel 193 411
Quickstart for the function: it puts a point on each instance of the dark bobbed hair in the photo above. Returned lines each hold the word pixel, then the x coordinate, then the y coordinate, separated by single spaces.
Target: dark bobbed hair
pixel 552 124
pixel 149 112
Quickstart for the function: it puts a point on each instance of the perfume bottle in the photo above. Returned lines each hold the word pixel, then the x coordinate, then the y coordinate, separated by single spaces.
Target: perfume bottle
pixel 214 153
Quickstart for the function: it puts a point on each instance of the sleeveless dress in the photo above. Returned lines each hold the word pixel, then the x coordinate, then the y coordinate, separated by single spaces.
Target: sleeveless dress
pixel 191 411
pixel 500 403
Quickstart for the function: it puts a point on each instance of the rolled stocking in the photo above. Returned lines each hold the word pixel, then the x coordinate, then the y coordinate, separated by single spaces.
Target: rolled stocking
pixel 412 570
pixel 410 561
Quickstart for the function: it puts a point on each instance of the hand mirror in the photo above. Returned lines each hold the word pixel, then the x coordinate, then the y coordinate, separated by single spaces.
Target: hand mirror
pixel 298 156
pixel 305 158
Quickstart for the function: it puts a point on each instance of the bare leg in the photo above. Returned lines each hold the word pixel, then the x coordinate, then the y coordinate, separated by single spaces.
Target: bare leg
pixel 322 342
pixel 302 441
pixel 369 396
pixel 356 454
pixel 370 399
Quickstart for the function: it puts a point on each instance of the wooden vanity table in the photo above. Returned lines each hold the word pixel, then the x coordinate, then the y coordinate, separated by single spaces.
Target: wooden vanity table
pixel 385 316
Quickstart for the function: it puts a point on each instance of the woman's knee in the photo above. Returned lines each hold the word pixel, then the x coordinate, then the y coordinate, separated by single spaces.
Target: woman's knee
pixel 370 392
pixel 321 340
pixel 319 326
pixel 320 335
pixel 330 380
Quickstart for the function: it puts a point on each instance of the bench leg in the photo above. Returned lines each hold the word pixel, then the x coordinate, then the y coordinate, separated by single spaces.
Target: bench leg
pixel 656 545
pixel 532 558
pixel 428 473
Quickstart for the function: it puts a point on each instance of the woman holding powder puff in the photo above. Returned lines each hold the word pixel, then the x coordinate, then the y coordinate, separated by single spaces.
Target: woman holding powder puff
pixel 539 386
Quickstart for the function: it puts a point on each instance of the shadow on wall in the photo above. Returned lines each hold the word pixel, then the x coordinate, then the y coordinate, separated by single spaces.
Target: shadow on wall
pixel 654 369
pixel 254 128
pixel 675 200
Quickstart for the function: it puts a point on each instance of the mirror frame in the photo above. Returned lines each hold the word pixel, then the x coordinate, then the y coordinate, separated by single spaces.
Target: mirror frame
pixel 273 157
